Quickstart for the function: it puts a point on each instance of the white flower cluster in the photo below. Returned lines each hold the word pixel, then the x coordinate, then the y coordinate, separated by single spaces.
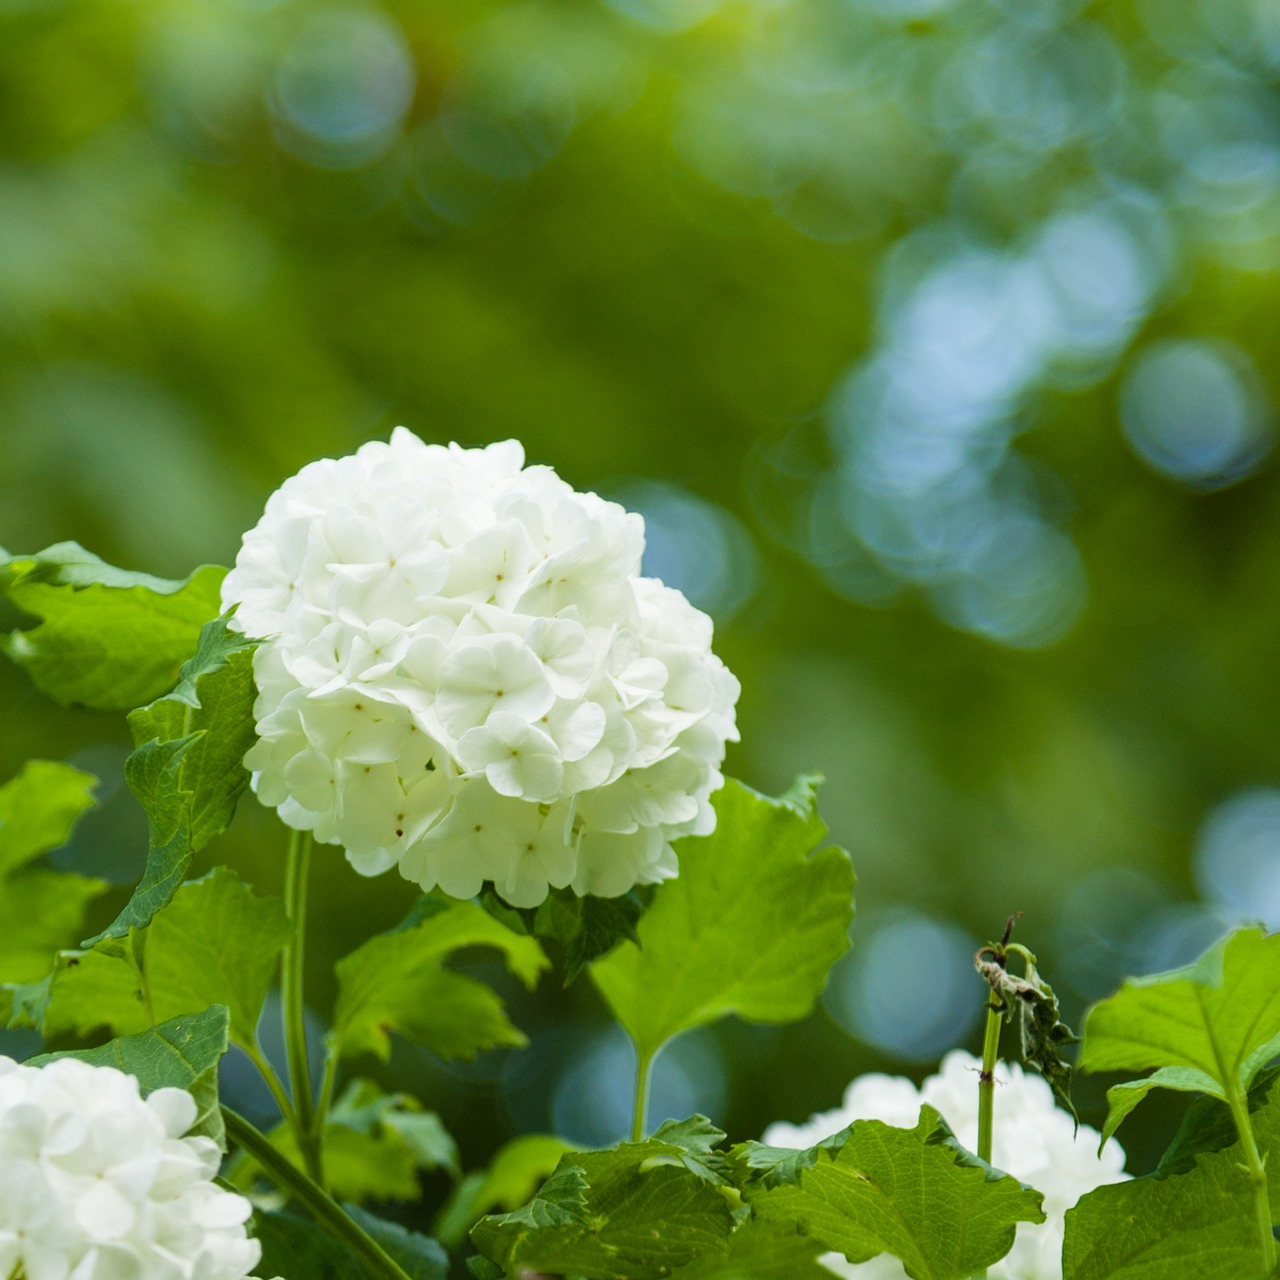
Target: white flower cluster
pixel 97 1183
pixel 464 675
pixel 1033 1139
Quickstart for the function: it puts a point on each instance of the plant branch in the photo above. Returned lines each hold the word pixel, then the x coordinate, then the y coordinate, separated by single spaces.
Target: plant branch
pixel 293 1004
pixel 640 1107
pixel 1255 1166
pixel 318 1203
pixel 259 1059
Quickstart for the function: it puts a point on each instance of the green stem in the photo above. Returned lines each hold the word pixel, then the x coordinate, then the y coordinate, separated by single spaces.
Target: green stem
pixel 1256 1168
pixel 291 994
pixel 268 1073
pixel 326 1091
pixel 644 1065
pixel 987 1081
pixel 318 1203
pixel 987 1087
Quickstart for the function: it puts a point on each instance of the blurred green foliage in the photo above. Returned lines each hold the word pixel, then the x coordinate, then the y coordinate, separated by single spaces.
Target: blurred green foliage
pixel 933 337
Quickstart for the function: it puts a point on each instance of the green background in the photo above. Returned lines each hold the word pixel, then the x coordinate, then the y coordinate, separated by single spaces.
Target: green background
pixel 935 338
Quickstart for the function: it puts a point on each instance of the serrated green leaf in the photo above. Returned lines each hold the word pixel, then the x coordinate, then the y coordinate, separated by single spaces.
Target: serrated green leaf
pixel 1122 1098
pixel 871 1189
pixel 514 1174
pixel 751 925
pixel 396 982
pixel 1193 1217
pixel 188 769
pixel 761 1251
pixel 107 639
pixel 1219 1016
pixel 182 1053
pixel 213 705
pixel 611 1213
pixel 38 810
pixel 217 942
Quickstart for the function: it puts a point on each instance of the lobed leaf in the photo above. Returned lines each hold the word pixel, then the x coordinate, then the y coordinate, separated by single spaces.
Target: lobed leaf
pixel 216 942
pixel 629 1211
pixel 182 1053
pixel 751 925
pixel 188 769
pixel 397 982
pixel 1193 1217
pixel 1215 1023
pixel 106 638
pixel 871 1189
pixel 760 1251
pixel 514 1174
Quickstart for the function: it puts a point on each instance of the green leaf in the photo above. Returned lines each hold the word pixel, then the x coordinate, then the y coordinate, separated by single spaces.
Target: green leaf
pixel 914 1193
pixel 420 1257
pixel 216 943
pixel 587 927
pixel 1122 1098
pixel 297 1247
pixel 630 1211
pixel 1207 1126
pixel 374 1146
pixel 751 925
pixel 760 1251
pixel 188 769
pixel 41 910
pixel 515 1173
pixel 38 810
pixel 107 639
pixel 1194 1216
pixel 396 982
pixel 1219 1016
pixel 182 1053
pixel 300 1249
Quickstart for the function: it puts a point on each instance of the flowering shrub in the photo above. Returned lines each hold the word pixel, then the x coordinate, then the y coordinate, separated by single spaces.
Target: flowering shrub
pixel 97 1182
pixel 465 675
pixel 446 661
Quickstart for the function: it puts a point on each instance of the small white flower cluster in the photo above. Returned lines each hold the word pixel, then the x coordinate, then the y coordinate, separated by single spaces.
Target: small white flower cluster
pixel 1033 1139
pixel 97 1183
pixel 464 675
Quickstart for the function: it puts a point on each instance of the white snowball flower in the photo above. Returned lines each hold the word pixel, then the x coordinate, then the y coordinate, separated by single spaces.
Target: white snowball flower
pixel 463 675
pixel 1033 1139
pixel 97 1183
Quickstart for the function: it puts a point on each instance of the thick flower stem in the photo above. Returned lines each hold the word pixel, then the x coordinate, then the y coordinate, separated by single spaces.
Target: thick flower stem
pixel 987 1087
pixel 297 871
pixel 318 1203
pixel 987 1081
pixel 639 1112
pixel 1256 1168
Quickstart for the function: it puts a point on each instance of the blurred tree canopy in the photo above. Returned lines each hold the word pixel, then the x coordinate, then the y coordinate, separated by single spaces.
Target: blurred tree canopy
pixel 934 338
